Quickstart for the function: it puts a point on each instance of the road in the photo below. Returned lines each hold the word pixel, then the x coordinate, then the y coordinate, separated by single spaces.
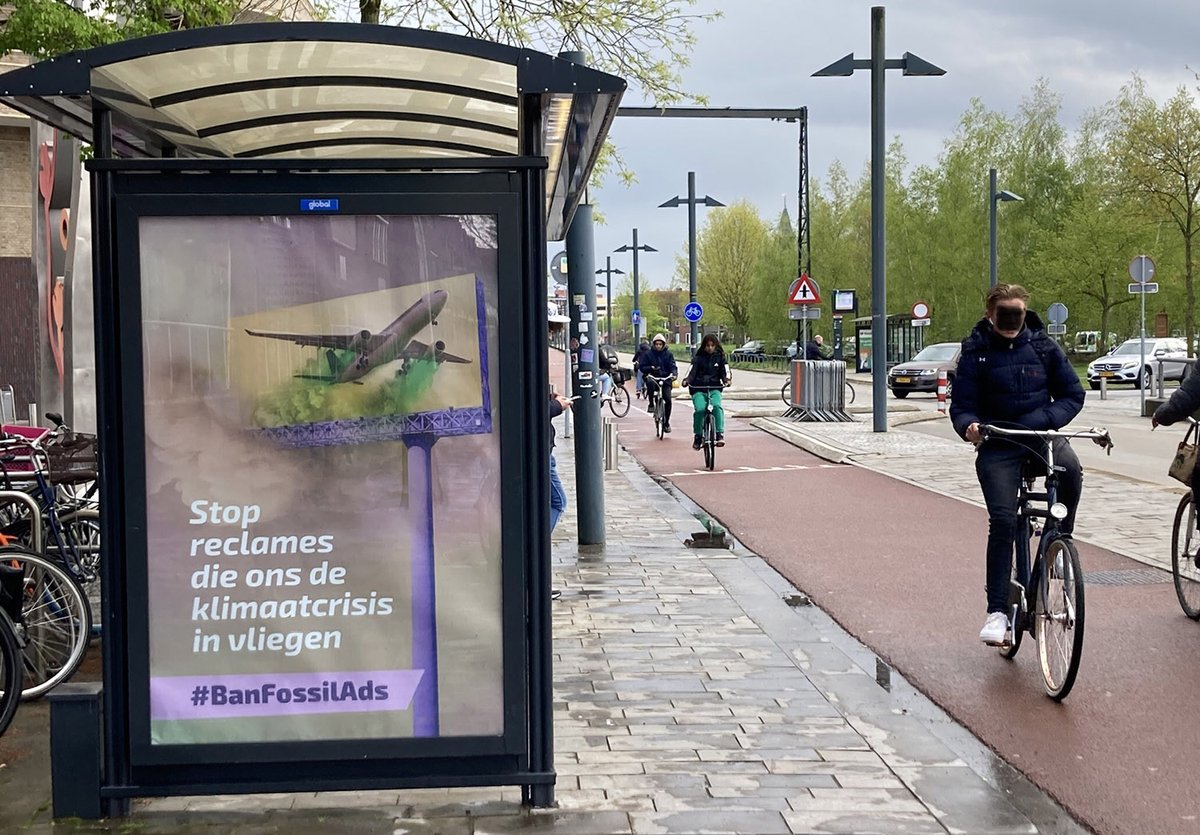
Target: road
pixel 901 568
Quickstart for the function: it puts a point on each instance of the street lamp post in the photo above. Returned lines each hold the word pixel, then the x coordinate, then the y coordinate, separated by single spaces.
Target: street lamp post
pixel 909 64
pixel 637 328
pixel 691 203
pixel 995 197
pixel 609 270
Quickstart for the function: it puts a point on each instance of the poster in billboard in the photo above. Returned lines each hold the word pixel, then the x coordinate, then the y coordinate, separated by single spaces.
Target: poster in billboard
pixel 322 477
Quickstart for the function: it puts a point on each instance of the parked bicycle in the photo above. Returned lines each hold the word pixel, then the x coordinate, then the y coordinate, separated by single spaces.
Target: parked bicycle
pixel 11 663
pixel 1046 598
pixel 785 393
pixel 1185 552
pixel 708 431
pixel 658 402
pixel 617 397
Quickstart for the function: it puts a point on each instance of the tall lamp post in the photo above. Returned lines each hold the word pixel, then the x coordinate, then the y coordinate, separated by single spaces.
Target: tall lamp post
pixel 994 198
pixel 691 201
pixel 635 249
pixel 909 64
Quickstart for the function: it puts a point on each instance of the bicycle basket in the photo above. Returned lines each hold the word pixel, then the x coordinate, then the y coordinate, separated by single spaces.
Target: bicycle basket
pixel 72 459
pixel 1183 465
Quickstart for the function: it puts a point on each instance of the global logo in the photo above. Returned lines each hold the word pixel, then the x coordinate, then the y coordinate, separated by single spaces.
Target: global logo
pixel 322 204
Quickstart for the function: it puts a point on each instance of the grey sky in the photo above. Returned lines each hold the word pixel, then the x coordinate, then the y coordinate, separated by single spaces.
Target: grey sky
pixel 763 53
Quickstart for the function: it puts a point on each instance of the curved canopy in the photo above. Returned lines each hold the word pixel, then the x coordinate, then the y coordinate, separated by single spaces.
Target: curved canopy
pixel 329 91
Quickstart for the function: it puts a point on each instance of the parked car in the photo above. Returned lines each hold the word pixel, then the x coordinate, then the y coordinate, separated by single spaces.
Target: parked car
pixel 1123 364
pixel 922 371
pixel 752 350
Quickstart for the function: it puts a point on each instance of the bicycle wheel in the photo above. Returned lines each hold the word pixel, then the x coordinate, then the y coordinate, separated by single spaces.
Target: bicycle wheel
pixel 785 393
pixel 81 540
pixel 708 440
pixel 1014 644
pixel 618 404
pixel 1185 557
pixel 11 672
pixel 55 622
pixel 659 413
pixel 1059 618
pixel 849 393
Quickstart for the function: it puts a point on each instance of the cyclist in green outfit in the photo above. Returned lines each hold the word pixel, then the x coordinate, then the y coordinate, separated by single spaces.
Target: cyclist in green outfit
pixel 708 374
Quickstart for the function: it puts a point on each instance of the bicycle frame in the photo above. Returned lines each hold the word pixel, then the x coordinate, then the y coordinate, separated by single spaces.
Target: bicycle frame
pixel 1047 531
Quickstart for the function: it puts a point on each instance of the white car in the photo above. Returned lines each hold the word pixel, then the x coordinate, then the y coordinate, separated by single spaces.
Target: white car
pixel 1123 363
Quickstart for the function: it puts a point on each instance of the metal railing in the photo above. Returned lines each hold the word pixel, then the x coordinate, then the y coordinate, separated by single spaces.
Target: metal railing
pixel 818 391
pixel 1190 363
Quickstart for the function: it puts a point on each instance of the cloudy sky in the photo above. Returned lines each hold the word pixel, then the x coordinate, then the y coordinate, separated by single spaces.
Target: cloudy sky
pixel 763 53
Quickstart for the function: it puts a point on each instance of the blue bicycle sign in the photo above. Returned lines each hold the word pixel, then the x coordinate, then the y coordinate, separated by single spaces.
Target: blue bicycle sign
pixel 693 312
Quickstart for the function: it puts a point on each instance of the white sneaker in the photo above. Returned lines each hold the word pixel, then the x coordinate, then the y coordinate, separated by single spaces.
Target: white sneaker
pixel 995 628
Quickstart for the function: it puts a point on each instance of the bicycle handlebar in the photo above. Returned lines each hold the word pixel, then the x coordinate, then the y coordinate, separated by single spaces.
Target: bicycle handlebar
pixel 1098 435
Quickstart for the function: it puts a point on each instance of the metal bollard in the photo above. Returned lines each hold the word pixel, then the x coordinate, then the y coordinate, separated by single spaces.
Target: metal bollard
pixel 612 447
pixel 1103 388
pixel 943 383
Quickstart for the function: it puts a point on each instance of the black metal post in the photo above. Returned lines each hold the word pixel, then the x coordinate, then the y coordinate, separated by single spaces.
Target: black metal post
pixel 991 227
pixel 637 328
pixel 608 271
pixel 878 260
pixel 692 251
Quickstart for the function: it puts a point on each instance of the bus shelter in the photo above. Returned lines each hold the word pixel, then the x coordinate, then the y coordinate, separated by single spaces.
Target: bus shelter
pixel 319 259
pixel 903 341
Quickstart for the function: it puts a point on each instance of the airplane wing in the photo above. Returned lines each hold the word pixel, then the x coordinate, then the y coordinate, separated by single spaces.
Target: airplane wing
pixel 361 341
pixel 419 350
pixel 339 342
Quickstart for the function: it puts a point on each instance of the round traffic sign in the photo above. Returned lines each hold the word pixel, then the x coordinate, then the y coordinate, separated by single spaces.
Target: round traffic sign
pixel 558 268
pixel 920 310
pixel 1057 314
pixel 1141 269
pixel 693 311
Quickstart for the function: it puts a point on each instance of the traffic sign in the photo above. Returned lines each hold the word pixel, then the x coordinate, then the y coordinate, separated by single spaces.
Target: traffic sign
pixel 920 323
pixel 1141 269
pixel 804 291
pixel 1057 314
pixel 920 310
pixel 693 311
pixel 804 312
pixel 1149 287
pixel 637 317
pixel 1056 330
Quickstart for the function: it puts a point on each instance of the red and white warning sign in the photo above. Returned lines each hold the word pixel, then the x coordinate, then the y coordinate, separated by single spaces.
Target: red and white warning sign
pixel 920 314
pixel 804 291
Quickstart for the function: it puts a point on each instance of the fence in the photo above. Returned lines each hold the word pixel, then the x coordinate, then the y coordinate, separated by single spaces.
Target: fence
pixel 818 391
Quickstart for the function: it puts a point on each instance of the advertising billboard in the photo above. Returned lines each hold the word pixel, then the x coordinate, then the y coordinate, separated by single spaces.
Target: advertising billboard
pixel 322 477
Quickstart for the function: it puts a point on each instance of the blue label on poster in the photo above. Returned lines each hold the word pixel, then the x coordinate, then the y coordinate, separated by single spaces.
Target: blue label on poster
pixel 319 204
pixel 586 355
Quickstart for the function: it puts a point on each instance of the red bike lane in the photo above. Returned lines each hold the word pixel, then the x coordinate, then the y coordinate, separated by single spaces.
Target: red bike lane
pixel 902 569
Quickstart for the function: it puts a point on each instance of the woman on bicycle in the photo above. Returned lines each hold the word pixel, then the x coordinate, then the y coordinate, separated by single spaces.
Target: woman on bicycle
pixel 658 363
pixel 706 376
pixel 1185 401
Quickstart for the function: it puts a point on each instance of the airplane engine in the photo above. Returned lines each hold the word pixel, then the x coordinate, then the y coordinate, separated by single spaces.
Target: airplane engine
pixel 434 352
pixel 360 342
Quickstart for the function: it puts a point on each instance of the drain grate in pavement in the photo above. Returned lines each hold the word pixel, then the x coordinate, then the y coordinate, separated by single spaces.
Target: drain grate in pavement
pixel 1127 577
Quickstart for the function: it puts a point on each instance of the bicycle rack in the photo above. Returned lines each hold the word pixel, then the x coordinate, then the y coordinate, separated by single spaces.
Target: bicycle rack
pixel 818 391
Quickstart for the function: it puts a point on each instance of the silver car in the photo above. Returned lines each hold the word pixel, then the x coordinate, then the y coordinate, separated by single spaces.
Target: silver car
pixel 1123 363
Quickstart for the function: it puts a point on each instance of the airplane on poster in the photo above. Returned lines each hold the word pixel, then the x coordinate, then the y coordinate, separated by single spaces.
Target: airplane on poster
pixel 374 350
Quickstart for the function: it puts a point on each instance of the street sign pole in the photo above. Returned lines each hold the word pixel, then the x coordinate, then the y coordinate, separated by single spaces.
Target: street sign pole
pixel 1141 270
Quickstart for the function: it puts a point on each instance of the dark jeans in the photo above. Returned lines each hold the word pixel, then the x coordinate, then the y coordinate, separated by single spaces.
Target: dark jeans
pixel 998 465
pixel 665 390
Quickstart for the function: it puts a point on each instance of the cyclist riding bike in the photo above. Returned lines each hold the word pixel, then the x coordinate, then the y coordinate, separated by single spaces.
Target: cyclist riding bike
pixel 1184 401
pixel 660 363
pixel 705 378
pixel 1011 374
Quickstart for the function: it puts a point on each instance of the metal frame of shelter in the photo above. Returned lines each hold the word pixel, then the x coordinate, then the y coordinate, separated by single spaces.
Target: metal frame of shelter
pixel 248 120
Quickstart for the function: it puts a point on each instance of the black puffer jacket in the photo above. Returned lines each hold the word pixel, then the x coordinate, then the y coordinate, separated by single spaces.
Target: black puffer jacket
pixel 1026 381
pixel 708 370
pixel 1185 401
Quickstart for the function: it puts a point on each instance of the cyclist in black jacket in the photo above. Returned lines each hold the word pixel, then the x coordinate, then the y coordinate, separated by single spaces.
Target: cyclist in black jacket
pixel 659 362
pixel 1011 373
pixel 706 376
pixel 1185 401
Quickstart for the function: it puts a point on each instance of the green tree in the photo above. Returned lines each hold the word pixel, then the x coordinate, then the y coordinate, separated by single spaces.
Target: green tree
pixel 728 248
pixel 773 274
pixel 1158 151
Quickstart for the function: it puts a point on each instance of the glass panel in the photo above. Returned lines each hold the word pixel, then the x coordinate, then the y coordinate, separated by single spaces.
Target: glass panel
pixel 267 137
pixel 323 490
pixel 159 75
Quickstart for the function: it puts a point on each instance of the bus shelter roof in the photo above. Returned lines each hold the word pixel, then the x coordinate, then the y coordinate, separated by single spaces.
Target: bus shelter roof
pixel 323 91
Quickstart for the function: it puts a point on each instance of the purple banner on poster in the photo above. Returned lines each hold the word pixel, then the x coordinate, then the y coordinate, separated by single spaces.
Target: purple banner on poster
pixel 281 694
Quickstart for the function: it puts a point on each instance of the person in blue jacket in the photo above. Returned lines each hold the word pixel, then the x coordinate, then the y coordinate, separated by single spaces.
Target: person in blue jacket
pixel 659 362
pixel 1013 375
